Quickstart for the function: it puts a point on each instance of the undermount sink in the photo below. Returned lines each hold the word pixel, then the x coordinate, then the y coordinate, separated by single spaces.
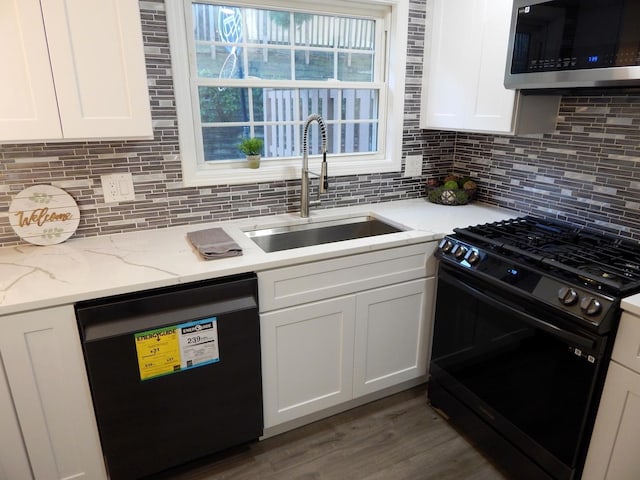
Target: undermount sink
pixel 319 232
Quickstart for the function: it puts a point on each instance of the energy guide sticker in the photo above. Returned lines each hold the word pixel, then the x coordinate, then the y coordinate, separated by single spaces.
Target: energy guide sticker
pixel 168 350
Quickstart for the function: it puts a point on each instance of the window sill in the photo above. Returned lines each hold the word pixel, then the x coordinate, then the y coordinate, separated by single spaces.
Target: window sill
pixel 291 171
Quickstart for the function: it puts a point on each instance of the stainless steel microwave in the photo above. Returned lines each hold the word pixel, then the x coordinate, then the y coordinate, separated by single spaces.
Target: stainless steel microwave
pixel 573 44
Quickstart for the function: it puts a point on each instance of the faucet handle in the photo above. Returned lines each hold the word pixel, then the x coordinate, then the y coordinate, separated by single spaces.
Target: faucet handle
pixel 324 180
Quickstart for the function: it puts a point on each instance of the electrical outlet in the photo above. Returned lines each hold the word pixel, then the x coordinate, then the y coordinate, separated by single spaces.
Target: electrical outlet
pixel 117 187
pixel 413 166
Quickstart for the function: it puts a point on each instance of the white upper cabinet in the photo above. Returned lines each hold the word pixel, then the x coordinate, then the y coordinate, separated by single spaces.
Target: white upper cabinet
pixel 72 69
pixel 465 58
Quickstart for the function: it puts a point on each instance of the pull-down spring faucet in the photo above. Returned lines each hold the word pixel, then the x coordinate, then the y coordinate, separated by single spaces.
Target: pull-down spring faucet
pixel 323 183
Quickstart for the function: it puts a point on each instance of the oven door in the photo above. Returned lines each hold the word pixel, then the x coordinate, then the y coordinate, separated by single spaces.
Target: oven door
pixel 509 365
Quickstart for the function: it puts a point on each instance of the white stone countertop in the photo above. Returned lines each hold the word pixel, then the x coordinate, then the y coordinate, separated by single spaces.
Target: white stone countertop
pixel 632 304
pixel 34 277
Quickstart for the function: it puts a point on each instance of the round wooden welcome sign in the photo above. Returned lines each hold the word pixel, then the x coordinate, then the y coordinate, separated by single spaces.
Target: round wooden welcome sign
pixel 44 215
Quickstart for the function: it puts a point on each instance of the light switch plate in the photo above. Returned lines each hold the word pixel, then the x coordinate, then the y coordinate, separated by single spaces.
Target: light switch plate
pixel 117 187
pixel 413 166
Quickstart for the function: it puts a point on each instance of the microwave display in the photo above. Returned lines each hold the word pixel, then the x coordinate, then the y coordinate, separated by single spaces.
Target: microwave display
pixel 563 35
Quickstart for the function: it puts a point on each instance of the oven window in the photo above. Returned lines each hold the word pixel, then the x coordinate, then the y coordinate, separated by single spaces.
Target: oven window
pixel 502 367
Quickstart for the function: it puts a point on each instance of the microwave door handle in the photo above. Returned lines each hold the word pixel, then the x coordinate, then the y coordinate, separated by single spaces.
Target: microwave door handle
pixel 505 306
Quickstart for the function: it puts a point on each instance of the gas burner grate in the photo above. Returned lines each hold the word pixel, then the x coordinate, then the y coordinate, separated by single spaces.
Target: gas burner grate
pixel 594 258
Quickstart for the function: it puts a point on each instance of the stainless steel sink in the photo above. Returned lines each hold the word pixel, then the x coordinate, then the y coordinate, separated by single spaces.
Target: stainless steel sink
pixel 316 233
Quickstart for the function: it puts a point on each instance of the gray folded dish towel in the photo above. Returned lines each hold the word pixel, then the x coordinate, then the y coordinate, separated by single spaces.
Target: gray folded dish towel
pixel 214 243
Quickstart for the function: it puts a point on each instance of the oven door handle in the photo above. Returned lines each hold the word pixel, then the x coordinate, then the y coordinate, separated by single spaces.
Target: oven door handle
pixel 509 308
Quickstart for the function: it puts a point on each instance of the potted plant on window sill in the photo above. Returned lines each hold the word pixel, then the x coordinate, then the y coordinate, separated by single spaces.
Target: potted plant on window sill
pixel 252 147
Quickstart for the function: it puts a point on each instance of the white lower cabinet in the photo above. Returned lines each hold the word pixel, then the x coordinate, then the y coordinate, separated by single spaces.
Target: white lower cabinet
pixel 309 354
pixel 613 451
pixel 14 463
pixel 45 399
pixel 332 349
pixel 391 335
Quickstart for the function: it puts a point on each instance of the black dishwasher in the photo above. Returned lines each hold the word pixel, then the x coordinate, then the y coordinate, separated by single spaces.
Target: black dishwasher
pixel 174 372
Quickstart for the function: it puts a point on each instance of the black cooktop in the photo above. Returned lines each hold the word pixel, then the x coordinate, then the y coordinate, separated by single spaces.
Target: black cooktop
pixel 592 258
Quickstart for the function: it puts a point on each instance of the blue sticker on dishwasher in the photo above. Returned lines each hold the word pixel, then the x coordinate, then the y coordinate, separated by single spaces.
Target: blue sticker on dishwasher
pixel 198 343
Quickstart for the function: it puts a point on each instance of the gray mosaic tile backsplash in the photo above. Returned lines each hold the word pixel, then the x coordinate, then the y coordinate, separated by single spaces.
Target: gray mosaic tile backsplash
pixel 587 172
pixel 155 165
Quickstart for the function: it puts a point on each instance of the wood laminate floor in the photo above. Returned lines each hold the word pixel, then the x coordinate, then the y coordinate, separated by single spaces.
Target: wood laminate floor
pixel 396 438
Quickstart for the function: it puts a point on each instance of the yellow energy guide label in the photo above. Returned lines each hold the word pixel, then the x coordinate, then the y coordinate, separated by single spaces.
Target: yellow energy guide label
pixel 171 349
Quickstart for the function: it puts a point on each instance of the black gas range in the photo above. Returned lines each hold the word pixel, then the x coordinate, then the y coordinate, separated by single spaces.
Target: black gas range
pixel 526 314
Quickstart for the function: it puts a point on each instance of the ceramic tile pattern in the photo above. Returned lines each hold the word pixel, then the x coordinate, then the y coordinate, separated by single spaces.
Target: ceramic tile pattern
pixel 585 172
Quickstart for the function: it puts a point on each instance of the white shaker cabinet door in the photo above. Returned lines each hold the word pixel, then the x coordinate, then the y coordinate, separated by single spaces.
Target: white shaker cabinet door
pixel 72 69
pixel 98 65
pixel 613 452
pixel 392 335
pixel 14 463
pixel 42 356
pixel 464 65
pixel 307 358
pixel 465 74
pixel 28 107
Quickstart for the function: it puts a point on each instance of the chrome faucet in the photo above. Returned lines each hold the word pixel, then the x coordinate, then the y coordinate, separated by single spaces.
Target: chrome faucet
pixel 323 183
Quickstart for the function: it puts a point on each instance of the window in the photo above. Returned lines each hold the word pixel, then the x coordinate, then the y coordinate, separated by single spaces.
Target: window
pixel 260 70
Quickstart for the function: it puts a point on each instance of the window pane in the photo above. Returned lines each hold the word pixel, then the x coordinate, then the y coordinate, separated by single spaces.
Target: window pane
pixel 281 140
pixel 359 137
pixel 219 62
pixel 356 33
pixel 360 104
pixel 279 104
pixel 221 143
pixel 258 103
pixel 355 67
pixel 258 44
pixel 314 139
pixel 312 65
pixel 323 101
pixel 223 104
pixel 270 63
pixel 314 30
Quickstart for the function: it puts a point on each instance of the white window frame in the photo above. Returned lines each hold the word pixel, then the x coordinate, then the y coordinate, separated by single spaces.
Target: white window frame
pixel 389 159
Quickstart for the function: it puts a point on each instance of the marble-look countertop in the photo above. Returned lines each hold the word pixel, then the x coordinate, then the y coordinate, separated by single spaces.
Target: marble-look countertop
pixel 632 304
pixel 85 268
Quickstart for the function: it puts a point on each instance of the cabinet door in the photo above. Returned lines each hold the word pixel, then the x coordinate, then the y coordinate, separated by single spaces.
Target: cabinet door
pixel 626 350
pixel 98 65
pixel 43 360
pixel 28 108
pixel 392 335
pixel 307 358
pixel 613 452
pixel 464 70
pixel 14 463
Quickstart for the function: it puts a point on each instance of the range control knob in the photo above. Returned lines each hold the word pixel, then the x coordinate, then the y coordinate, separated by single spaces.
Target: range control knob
pixel 590 306
pixel 446 245
pixel 473 257
pixel 460 252
pixel 567 296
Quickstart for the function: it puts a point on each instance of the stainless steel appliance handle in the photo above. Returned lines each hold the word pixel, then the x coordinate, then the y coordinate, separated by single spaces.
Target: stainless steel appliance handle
pixel 507 307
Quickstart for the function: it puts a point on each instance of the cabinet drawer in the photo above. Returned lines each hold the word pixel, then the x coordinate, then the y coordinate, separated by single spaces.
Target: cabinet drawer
pixel 295 285
pixel 626 349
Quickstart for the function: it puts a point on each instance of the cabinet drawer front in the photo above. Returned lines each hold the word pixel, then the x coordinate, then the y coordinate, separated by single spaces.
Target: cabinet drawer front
pixel 300 284
pixel 626 350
